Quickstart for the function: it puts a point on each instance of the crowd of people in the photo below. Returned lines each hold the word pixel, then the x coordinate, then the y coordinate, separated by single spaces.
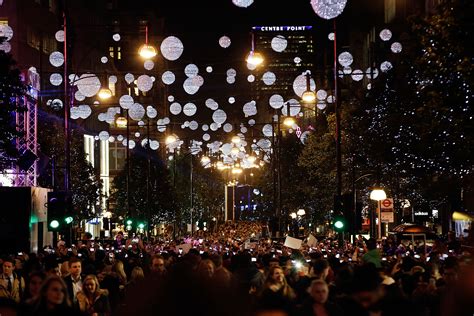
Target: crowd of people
pixel 237 270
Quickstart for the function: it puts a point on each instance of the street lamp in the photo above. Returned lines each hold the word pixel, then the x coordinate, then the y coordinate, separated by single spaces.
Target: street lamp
pixel 147 51
pixel 105 93
pixel 378 194
pixel 308 96
pixel 254 58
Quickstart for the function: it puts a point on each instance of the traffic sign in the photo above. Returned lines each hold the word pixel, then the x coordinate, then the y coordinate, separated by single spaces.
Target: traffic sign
pixel 387 204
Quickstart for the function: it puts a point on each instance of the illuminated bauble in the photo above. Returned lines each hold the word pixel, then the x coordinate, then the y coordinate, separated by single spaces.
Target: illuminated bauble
pixel 79 96
pixel 6 47
pixel 242 3
pixel 210 103
pixel 372 73
pixel 328 9
pixel 116 37
pixel 345 59
pixel 113 79
pixel 104 59
pixel 321 94
pixel 191 70
pixel 321 105
pixel 126 101
pixel 357 75
pixel 168 77
pixel 209 69
pixel 193 125
pixel 214 126
pixel 224 42
pixel 104 135
pixel 386 66
pixel 251 66
pixel 331 36
pixel 189 109
pixel 231 100
pixel 59 36
pixel 148 64
pixel 231 72
pixel 250 78
pixel 205 127
pixel 136 112
pixel 56 59
pixel 175 108
pixel 227 127
pixel 276 101
pixel 55 79
pixel 219 116
pixel 206 137
pixel 251 122
pixel 279 43
pixel 129 78
pixel 144 83
pixel 88 84
pixel 267 130
pixel 154 144
pixel 250 108
pixel 230 80
pixel 385 35
pixel 396 47
pixel 6 31
pixel 170 98
pixel 151 112
pixel 171 48
pixel 190 86
pixel 269 78
pixel 297 60
pixel 299 85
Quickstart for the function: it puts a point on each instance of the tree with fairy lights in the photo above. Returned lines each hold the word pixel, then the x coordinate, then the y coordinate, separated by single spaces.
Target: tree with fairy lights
pixel 11 87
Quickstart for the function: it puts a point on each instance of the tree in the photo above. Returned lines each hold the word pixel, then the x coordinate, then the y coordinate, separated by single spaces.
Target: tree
pixel 150 191
pixel 11 89
pixel 85 182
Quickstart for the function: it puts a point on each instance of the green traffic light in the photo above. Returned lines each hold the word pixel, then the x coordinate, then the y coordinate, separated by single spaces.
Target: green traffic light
pixel 141 225
pixel 339 224
pixel 129 222
pixel 68 220
pixel 54 224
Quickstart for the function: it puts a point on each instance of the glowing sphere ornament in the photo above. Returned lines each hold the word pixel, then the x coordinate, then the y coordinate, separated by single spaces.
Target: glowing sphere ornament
pixel 59 36
pixel 171 48
pixel 385 35
pixel 345 59
pixel 328 9
pixel 189 109
pixel 396 47
pixel 175 108
pixel 56 59
pixel 242 3
pixel 269 78
pixel 279 43
pixel 168 77
pixel 224 41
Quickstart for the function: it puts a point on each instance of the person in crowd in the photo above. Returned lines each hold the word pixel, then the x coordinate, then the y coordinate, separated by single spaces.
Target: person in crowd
pixel 318 303
pixel 373 254
pixel 11 285
pixel 52 300
pixel 74 279
pixel 136 276
pixel 206 269
pixel 276 294
pixel 33 286
pixel 93 301
pixel 157 266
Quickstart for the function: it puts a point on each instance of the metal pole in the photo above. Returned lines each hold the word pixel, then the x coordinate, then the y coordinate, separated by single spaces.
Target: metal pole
pixel 279 173
pixel 379 222
pixel 67 135
pixel 274 177
pixel 338 121
pixel 192 197
pixel 128 166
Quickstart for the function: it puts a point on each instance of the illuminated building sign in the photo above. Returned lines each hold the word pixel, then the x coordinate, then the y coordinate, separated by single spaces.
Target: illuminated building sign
pixel 419 213
pixel 281 28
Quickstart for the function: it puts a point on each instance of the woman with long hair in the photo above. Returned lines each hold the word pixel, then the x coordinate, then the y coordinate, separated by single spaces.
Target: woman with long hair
pixel 92 300
pixel 52 299
pixel 276 293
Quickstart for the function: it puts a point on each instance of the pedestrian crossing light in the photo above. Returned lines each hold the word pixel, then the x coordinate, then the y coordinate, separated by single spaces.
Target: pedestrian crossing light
pixel 141 225
pixel 339 224
pixel 68 220
pixel 54 224
pixel 129 224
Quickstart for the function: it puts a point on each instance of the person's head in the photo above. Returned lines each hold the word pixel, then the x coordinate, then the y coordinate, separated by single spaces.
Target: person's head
pixel 53 292
pixel 90 285
pixel 34 283
pixel 157 263
pixel 75 267
pixel 366 285
pixel 321 268
pixel 206 268
pixel 371 244
pixel 64 268
pixel 137 275
pixel 119 236
pixel 276 275
pixel 53 269
pixel 319 291
pixel 87 236
pixel 8 266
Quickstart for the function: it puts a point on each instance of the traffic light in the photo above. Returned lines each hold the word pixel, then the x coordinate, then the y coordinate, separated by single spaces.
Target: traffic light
pixel 339 223
pixel 59 208
pixel 344 207
pixel 129 224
